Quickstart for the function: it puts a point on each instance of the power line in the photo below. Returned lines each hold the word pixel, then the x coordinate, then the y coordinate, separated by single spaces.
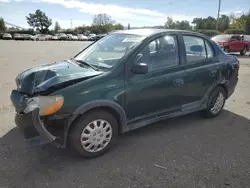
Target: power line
pixel 13 25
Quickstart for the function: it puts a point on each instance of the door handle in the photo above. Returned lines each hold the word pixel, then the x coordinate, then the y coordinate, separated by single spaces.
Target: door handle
pixel 178 81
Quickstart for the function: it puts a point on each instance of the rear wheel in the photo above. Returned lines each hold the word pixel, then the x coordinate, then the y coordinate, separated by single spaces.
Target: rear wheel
pixel 93 133
pixel 216 102
pixel 243 51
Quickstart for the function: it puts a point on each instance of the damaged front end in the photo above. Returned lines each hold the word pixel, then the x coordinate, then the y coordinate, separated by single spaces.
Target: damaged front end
pixel 30 113
pixel 36 107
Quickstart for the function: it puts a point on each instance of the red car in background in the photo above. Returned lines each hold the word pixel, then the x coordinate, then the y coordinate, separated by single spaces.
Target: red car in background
pixel 233 43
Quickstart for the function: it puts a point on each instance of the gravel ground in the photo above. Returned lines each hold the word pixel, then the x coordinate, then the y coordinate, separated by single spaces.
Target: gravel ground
pixel 194 152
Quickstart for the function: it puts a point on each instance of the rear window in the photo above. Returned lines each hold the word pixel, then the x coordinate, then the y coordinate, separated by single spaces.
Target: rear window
pixel 221 38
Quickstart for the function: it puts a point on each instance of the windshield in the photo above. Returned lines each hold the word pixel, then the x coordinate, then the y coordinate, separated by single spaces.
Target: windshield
pixel 106 52
pixel 219 38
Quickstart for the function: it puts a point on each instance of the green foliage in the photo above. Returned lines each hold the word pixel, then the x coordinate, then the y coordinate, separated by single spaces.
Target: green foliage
pixel 39 21
pixel 57 27
pixel 27 31
pixel 209 33
pixel 205 23
pixel 102 23
pixel 234 31
pixel 171 24
pixel 247 25
pixel 2 25
pixel 98 29
pixel 224 22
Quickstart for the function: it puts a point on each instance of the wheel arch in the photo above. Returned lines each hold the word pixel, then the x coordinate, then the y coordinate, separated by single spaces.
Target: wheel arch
pixel 224 87
pixel 112 107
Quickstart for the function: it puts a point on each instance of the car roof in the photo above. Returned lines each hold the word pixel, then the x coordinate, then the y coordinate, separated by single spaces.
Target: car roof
pixel 149 32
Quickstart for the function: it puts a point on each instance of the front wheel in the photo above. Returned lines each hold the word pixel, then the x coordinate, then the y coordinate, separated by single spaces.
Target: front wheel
pixel 226 49
pixel 216 102
pixel 94 133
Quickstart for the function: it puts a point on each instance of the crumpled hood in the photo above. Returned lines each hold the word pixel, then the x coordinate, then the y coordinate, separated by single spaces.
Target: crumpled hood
pixel 43 77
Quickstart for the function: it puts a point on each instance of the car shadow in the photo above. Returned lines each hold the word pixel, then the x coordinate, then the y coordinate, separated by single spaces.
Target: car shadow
pixel 164 141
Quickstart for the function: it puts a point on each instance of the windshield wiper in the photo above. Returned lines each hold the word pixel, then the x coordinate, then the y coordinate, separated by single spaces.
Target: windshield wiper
pixel 85 63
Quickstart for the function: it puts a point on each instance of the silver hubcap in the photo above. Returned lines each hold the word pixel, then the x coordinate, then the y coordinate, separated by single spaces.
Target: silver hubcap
pixel 96 135
pixel 218 104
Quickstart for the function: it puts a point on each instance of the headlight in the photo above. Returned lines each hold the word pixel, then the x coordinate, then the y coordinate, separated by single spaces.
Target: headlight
pixel 47 104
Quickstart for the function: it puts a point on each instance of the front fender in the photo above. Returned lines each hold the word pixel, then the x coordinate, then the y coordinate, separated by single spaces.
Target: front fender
pixel 102 103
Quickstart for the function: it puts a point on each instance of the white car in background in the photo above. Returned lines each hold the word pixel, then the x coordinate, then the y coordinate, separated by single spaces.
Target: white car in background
pixel 74 37
pixel 62 36
pixel 39 37
pixel 7 36
pixel 70 36
pixel 54 37
pixel 48 37
pixel 82 37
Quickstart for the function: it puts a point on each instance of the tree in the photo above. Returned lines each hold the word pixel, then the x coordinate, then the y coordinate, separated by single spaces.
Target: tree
pixel 247 25
pixel 237 23
pixel 102 19
pixel 57 27
pixel 184 24
pixel 117 27
pixel 2 25
pixel 224 22
pixel 39 21
pixel 198 22
pixel 169 24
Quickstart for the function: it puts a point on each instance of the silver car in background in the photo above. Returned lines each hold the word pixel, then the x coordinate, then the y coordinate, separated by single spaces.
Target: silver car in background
pixel 7 36
pixel 39 37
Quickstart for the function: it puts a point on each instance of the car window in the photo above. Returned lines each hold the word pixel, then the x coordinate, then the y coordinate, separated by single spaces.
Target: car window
pixel 210 52
pixel 195 48
pixel 233 37
pixel 236 38
pixel 160 53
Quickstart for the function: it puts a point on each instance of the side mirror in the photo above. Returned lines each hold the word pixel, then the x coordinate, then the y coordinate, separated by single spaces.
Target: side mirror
pixel 140 68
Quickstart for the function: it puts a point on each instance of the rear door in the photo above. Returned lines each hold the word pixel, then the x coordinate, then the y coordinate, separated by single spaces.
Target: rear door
pixel 202 68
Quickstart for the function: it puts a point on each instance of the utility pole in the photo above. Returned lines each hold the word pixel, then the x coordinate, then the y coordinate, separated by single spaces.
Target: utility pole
pixel 218 16
pixel 71 23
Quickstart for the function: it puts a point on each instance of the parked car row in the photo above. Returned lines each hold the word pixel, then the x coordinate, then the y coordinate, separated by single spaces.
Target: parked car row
pixel 60 36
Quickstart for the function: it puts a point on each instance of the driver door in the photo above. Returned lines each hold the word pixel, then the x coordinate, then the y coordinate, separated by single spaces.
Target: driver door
pixel 160 91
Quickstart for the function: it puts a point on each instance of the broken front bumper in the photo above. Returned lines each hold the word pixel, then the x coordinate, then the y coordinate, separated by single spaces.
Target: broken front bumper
pixel 30 124
pixel 33 128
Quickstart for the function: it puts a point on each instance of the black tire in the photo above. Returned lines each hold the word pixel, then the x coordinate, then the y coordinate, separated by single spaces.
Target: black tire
pixel 208 113
pixel 226 49
pixel 243 51
pixel 74 137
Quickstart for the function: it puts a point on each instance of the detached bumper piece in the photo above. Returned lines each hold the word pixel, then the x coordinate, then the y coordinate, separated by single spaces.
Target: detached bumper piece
pixel 30 124
pixel 33 128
